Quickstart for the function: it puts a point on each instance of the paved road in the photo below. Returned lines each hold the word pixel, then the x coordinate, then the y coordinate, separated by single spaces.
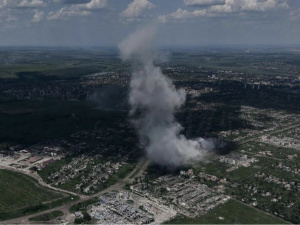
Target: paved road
pixel 270 133
pixel 138 170
pixel 253 139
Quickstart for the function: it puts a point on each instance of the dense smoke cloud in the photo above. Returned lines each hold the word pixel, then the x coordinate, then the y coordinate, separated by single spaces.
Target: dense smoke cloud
pixel 153 100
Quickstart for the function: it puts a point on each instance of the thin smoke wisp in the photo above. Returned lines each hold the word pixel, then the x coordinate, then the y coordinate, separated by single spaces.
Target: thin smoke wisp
pixel 153 100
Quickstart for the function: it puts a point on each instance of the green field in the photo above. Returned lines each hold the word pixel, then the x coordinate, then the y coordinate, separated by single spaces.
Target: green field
pixel 21 195
pixel 219 169
pixel 232 212
pixel 54 63
pixel 70 63
pixel 47 216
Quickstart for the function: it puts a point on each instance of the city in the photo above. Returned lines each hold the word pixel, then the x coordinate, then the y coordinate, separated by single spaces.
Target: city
pixel 149 112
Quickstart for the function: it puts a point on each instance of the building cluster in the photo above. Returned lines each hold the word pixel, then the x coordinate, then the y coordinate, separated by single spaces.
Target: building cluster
pixel 33 158
pixel 237 159
pixel 260 121
pixel 104 215
pixel 265 153
pixel 287 142
pixel 222 102
pixel 258 196
pixel 287 169
pixel 61 90
pixel 114 208
pixel 272 179
pixel 50 147
pixel 278 67
pixel 207 177
pixel 211 203
pixel 249 121
pixel 291 74
pixel 95 80
pixel 295 133
pixel 90 172
pixel 184 192
pixel 189 173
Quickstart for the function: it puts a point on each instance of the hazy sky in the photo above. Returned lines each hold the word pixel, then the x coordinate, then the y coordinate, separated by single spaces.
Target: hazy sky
pixel 180 22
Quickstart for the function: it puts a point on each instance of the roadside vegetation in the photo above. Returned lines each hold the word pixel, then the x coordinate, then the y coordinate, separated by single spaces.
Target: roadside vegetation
pixel 22 195
pixel 47 216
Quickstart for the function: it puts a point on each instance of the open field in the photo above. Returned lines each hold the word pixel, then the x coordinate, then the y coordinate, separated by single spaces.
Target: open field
pixel 79 203
pixel 53 63
pixel 21 195
pixel 232 212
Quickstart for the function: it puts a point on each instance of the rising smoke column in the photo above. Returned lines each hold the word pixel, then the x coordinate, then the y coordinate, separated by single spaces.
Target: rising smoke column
pixel 153 100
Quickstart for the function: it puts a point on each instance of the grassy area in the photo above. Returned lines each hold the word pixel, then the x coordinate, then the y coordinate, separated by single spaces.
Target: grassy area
pixel 219 169
pixel 22 195
pixel 245 172
pixel 47 216
pixel 283 207
pixel 232 212
pixel 42 62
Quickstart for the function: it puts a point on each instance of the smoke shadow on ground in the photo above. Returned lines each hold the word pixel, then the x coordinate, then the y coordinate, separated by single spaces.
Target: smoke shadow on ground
pixel 227 99
pixel 224 147
pixel 155 170
pixel 226 102
pixel 204 123
pixel 110 97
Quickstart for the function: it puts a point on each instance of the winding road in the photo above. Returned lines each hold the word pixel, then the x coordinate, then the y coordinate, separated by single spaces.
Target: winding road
pixel 137 171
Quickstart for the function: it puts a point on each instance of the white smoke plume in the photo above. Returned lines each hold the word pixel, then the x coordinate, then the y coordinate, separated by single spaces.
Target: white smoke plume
pixel 154 100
